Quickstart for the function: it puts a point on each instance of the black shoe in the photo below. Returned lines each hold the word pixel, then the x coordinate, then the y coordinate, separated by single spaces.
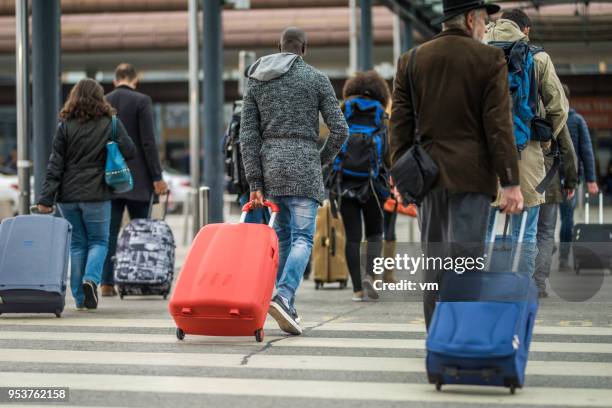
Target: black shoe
pixel 280 311
pixel 91 295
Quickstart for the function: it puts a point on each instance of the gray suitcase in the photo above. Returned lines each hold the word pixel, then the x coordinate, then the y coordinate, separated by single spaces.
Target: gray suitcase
pixel 34 253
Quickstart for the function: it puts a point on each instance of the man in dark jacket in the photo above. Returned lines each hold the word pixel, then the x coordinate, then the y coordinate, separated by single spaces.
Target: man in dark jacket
pixel 135 111
pixel 464 121
pixel 559 190
pixel 581 138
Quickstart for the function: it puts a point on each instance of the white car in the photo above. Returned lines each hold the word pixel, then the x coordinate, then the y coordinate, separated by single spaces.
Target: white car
pixel 179 185
pixel 9 193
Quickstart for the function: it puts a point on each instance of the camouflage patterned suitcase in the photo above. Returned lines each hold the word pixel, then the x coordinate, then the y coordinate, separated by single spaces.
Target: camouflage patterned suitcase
pixel 144 262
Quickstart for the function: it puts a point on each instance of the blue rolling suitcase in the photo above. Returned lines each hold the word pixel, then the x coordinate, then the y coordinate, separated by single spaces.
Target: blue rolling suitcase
pixel 482 327
pixel 34 253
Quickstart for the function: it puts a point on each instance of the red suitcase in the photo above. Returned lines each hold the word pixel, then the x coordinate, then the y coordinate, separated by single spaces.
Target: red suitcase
pixel 226 283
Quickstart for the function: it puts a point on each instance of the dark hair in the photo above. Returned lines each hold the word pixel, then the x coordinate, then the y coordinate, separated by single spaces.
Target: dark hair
pixel 125 71
pixel 566 90
pixel 369 84
pixel 293 39
pixel 86 102
pixel 518 16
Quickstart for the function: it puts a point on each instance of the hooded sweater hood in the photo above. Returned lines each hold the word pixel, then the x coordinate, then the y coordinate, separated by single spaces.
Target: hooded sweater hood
pixel 504 30
pixel 272 66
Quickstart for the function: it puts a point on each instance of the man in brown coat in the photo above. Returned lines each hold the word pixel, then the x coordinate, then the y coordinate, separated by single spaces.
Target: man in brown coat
pixel 464 120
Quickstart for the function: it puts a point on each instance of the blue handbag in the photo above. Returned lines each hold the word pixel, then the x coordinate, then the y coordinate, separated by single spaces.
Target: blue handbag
pixel 117 174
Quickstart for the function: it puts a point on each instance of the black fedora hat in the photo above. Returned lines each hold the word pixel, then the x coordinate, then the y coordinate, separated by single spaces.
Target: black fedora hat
pixel 453 8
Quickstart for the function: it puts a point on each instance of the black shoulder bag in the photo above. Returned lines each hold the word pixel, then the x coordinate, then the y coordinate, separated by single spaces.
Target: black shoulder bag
pixel 415 172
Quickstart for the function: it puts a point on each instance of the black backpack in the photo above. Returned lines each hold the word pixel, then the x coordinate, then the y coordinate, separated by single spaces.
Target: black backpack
pixel 362 154
pixel 234 168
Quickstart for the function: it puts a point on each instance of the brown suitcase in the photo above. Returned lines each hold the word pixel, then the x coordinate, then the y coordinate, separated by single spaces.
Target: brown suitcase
pixel 328 252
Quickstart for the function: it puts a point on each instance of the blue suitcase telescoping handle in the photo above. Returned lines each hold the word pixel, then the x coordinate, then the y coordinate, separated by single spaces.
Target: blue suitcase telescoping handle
pixel 55 208
pixel 521 238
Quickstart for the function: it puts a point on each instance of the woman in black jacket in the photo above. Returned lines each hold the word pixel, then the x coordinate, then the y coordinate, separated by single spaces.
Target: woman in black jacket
pixel 75 180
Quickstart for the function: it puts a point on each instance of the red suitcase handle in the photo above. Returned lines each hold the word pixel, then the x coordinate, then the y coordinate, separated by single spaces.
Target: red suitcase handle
pixel 273 208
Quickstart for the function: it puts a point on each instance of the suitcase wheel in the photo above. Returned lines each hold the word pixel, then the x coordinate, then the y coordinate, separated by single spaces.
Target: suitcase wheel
pixel 180 334
pixel 259 335
pixel 438 386
pixel 121 295
pixel 343 284
pixel 318 285
pixel 512 389
pixel 165 296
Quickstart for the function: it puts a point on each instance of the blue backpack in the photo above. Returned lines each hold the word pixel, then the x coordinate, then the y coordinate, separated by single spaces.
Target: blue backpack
pixel 362 154
pixel 523 87
pixel 117 174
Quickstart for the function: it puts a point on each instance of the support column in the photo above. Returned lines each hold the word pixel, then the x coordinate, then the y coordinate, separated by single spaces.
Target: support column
pixel 194 111
pixel 46 81
pixel 397 37
pixel 365 43
pixel 22 76
pixel 213 105
pixel 407 36
pixel 353 37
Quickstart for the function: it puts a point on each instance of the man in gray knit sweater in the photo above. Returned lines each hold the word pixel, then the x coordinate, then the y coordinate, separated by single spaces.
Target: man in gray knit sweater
pixel 279 131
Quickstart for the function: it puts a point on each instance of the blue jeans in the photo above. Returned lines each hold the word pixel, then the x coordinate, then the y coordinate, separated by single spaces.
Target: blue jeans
pixel 90 229
pixel 295 227
pixel 258 216
pixel 529 250
pixel 566 211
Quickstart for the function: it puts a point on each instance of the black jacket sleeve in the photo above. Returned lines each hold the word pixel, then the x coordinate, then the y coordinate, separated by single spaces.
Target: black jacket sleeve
pixel 147 138
pixel 55 167
pixel 568 159
pixel 126 145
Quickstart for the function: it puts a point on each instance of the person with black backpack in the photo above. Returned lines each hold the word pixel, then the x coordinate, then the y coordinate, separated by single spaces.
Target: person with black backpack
pixel 359 174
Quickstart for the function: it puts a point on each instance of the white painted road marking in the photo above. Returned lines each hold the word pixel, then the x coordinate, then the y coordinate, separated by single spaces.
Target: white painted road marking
pixel 334 390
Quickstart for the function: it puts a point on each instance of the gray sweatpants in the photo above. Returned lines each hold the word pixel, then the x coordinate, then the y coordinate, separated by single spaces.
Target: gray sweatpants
pixel 547 222
pixel 452 224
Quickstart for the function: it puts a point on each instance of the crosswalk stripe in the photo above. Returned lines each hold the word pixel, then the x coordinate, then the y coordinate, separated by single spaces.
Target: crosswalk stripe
pixel 168 323
pixel 302 341
pixel 330 342
pixel 401 327
pixel 271 324
pixel 13 405
pixel 333 390
pixel 301 362
pixel 86 322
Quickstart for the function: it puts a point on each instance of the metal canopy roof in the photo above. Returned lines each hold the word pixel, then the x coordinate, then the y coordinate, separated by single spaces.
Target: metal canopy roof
pixel 421 13
pixel 553 20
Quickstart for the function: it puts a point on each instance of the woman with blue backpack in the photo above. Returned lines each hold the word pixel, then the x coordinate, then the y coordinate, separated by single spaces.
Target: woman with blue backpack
pixel 86 166
pixel 359 181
